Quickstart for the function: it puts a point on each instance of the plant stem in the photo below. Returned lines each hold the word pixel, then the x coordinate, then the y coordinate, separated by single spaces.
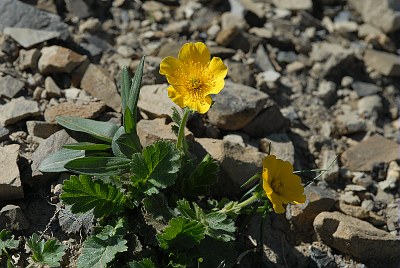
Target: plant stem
pixel 181 133
pixel 242 204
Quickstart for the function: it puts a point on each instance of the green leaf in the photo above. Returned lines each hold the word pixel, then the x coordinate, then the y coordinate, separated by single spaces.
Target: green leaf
pixel 88 146
pixel 85 194
pixel 55 162
pixel 181 234
pixel 100 130
pixel 75 222
pixel 101 166
pixel 157 164
pixel 215 253
pixel 48 252
pixel 135 88
pixel 129 121
pixel 125 86
pixel 101 249
pixel 125 145
pixel 7 241
pixel 177 118
pixel 205 175
pixel 145 263
pixel 157 213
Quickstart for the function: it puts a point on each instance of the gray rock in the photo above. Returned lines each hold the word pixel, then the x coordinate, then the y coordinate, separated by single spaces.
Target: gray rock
pixel 89 110
pixel 239 73
pixel 357 238
pixel 99 84
pixel 364 155
pixel 281 146
pixel 328 157
pixel 385 63
pixel 236 105
pixel 258 128
pixel 52 90
pixel 365 89
pixel 10 181
pixel 3 133
pixel 349 123
pixel 17 14
pixel 12 219
pixel 56 59
pixel 369 105
pixel 176 27
pixel 30 37
pixel 362 214
pixel 392 177
pixel 78 8
pixel 350 198
pixel 9 86
pixel 234 138
pixel 294 4
pixel 17 109
pixel 154 101
pixel 262 59
pixel 229 20
pixel 28 59
pixel 326 92
pixel 41 129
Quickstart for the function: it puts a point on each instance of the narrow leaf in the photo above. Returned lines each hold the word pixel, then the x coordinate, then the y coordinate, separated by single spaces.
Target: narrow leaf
pixel 101 130
pixel 125 145
pixel 125 86
pixel 129 121
pixel 99 166
pixel 55 162
pixel 88 146
pixel 135 88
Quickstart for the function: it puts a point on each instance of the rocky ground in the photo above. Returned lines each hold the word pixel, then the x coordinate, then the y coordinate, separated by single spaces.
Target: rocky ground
pixel 315 79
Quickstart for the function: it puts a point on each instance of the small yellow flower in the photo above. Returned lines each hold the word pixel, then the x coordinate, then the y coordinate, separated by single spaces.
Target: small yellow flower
pixel 280 184
pixel 193 77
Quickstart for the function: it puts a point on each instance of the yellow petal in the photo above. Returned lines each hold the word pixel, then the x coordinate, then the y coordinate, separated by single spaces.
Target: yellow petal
pixel 200 106
pixel 194 52
pixel 270 163
pixel 169 67
pixel 217 68
pixel 276 203
pixel 267 183
pixel 218 86
pixel 176 96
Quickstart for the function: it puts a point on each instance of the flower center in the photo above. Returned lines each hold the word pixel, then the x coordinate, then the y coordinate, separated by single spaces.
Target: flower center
pixel 278 187
pixel 197 80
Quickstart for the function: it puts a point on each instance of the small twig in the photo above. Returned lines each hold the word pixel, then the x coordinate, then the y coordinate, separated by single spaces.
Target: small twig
pixel 323 172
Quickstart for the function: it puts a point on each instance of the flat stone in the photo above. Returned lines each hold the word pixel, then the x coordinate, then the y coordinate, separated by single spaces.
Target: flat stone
pixel 3 133
pixel 357 238
pixel 17 109
pixel 41 129
pixel 349 123
pixel 91 110
pixel 364 155
pixel 369 105
pixel 12 218
pixel 154 101
pixel 279 145
pixel 99 84
pixel 258 128
pixel 362 214
pixel 10 181
pixel 56 59
pixel 78 8
pixel 30 37
pixel 236 105
pixel 365 89
pixel 28 59
pixel 20 15
pixel 383 62
pixel 52 90
pixel 150 131
pixel 294 4
pixel 9 86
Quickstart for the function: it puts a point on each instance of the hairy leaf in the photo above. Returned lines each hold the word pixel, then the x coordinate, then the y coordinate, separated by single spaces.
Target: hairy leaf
pixel 177 118
pixel 75 222
pixel 99 165
pixel 84 194
pixel 100 130
pixel 125 145
pixel 55 162
pixel 157 164
pixel 88 146
pixel 145 263
pixel 181 234
pixel 48 252
pixel 7 241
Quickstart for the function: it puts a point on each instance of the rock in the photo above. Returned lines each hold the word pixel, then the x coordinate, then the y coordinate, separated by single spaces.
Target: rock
pixel 236 105
pixel 176 27
pixel 239 74
pixel 30 37
pixel 150 131
pixel 294 67
pixel 392 216
pixel 21 15
pixel 326 92
pixel 369 105
pixel 281 146
pixel 3 133
pixel 364 155
pixel 50 145
pixel 262 59
pixel 9 86
pixel 56 59
pixel 234 138
pixel 78 8
pixel 349 123
pixel 17 109
pixel 392 177
pixel 362 214
pixel 12 218
pixel 267 76
pixel 154 101
pixel 382 14
pixel 100 85
pixel 357 238
pixel 222 52
pixel 302 216
pixel 10 181
pixel 258 128
pixel 362 179
pixel 91 110
pixel 229 20
pixel 385 63
pixel 28 59
pixel 294 4
pixel 365 89
pixel 253 12
pixel 328 161
pixel 41 129
pixel 52 90
pixel 226 36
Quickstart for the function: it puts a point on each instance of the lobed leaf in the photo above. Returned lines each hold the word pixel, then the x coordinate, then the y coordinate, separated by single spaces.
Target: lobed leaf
pixel 99 165
pixel 48 252
pixel 157 213
pixel 145 263
pixel 75 222
pixel 7 241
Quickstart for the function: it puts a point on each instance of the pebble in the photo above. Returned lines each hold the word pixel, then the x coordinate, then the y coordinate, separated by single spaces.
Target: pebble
pixel 18 109
pixel 90 110
pixel 10 180
pixel 9 86
pixel 56 59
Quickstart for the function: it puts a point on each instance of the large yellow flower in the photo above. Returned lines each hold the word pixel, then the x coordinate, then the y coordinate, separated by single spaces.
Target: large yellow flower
pixel 193 77
pixel 280 184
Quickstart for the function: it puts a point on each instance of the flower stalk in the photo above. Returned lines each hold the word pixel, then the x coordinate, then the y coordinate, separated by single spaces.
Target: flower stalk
pixel 181 131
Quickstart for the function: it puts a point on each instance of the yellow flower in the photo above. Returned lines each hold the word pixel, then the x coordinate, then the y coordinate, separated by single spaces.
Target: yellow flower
pixel 193 77
pixel 280 184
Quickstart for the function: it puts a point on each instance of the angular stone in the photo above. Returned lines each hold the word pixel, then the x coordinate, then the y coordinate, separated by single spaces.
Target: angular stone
pixel 30 37
pixel 357 238
pixel 328 160
pixel 12 218
pixel 362 214
pixel 91 110
pixel 41 129
pixel 10 181
pixel 375 149
pixel 150 131
pixel 385 63
pixel 279 145
pixel 258 128
pixel 154 101
pixel 349 123
pixel 17 109
pixel 236 105
pixel 3 133
pixel 52 90
pixel 78 8
pixel 56 59
pixel 100 85
pixel 9 86
pixel 369 105
pixel 28 59
pixel 21 15
pixel 294 4
pixel 365 89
